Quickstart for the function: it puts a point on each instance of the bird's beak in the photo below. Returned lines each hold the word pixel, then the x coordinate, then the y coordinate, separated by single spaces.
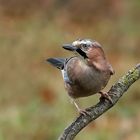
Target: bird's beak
pixel 69 47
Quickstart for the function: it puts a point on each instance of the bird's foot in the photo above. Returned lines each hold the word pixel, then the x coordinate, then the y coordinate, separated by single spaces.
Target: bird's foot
pixel 83 112
pixel 106 96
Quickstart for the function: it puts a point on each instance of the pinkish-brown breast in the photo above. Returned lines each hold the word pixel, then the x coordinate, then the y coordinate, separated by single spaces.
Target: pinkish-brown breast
pixel 86 80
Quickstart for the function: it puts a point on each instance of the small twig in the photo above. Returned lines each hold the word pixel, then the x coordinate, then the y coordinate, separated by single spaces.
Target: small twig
pixel 116 91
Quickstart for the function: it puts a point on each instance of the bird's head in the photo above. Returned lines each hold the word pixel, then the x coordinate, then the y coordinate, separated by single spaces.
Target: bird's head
pixel 84 47
pixel 91 51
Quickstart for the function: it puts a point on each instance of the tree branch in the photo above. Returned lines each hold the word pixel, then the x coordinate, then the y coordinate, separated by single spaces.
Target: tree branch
pixel 116 91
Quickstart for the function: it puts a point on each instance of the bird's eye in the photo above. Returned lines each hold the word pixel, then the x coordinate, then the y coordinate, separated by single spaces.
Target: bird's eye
pixel 85 45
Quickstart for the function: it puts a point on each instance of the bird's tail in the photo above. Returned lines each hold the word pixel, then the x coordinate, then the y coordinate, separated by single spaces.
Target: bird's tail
pixel 57 62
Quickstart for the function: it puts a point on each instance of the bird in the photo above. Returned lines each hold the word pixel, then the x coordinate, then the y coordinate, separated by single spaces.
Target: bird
pixel 85 73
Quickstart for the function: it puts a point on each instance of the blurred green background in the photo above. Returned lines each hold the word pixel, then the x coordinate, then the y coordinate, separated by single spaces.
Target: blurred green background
pixel 33 102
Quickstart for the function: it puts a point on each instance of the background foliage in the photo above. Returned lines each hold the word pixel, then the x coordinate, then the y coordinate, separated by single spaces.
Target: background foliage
pixel 33 102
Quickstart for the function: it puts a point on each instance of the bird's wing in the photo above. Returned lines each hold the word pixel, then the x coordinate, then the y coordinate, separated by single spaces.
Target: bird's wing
pixel 65 76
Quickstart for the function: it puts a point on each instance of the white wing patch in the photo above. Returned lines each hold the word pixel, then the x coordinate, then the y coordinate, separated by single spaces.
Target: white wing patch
pixel 62 73
pixel 65 76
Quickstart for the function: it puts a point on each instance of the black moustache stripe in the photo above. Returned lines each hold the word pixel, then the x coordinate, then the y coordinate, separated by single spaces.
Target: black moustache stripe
pixel 82 53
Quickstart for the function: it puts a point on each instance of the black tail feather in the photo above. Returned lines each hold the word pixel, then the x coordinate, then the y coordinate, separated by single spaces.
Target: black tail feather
pixel 57 62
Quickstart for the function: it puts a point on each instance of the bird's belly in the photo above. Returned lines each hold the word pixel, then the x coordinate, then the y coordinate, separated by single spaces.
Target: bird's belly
pixel 85 80
pixel 88 84
pixel 88 87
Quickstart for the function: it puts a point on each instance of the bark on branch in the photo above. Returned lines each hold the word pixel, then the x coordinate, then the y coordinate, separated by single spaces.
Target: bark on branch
pixel 116 91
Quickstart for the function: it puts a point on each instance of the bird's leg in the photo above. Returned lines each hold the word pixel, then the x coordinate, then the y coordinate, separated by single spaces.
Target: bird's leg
pixel 106 96
pixel 81 111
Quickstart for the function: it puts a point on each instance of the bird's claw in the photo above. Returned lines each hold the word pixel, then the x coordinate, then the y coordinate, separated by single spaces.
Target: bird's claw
pixel 106 96
pixel 83 112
